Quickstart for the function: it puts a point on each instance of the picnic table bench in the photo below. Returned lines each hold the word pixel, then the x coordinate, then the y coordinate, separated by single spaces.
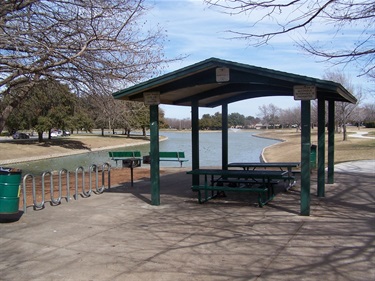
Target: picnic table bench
pixel 258 181
pixel 289 178
pixel 130 159
pixel 177 156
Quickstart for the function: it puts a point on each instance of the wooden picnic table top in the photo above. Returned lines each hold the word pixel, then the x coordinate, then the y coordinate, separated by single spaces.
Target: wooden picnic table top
pixel 239 173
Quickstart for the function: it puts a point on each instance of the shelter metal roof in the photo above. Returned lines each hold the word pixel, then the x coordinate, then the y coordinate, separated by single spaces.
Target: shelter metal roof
pixel 204 82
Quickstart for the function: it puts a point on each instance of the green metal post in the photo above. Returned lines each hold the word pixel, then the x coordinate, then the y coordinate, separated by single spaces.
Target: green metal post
pixel 305 157
pixel 224 136
pixel 331 141
pixel 321 147
pixel 154 155
pixel 195 139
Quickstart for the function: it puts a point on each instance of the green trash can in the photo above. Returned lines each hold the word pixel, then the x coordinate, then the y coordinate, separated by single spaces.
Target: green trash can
pixel 10 180
pixel 313 156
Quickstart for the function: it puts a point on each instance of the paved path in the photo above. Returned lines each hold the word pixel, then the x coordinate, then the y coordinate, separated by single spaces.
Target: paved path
pixel 119 236
pixel 358 167
pixel 362 135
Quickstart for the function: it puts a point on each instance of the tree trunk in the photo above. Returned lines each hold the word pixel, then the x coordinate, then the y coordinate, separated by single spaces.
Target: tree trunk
pixel 4 116
pixel 344 135
pixel 40 137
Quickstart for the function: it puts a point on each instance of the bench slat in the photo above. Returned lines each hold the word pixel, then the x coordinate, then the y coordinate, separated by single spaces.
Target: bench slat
pixel 172 154
pixel 226 188
pixel 124 154
pixel 263 196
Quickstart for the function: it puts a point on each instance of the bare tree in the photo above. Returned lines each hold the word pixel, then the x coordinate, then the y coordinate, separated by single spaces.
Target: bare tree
pixel 369 112
pixel 291 117
pixel 344 110
pixel 269 114
pixel 302 17
pixel 94 46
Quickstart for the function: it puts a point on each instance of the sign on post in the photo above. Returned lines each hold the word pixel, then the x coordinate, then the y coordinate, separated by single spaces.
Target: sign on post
pixel 304 92
pixel 151 98
pixel 222 74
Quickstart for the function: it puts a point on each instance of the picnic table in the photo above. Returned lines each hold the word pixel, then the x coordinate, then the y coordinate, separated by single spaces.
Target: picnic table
pixel 258 181
pixel 289 178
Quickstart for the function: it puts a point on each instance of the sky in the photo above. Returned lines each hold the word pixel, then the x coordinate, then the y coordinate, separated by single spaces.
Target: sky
pixel 198 32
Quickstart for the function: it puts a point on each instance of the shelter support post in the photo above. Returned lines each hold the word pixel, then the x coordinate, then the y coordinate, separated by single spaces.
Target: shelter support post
pixel 331 141
pixel 321 147
pixel 154 155
pixel 224 136
pixel 195 139
pixel 305 157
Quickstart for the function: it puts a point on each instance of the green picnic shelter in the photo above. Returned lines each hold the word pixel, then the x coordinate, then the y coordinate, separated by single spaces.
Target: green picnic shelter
pixel 216 82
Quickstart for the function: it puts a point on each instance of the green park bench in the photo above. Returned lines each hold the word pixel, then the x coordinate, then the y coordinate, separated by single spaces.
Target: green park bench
pixel 173 156
pixel 125 156
pixel 168 156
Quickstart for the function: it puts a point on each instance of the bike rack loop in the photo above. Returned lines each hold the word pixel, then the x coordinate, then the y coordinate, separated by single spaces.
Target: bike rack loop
pixel 94 168
pixel 84 193
pixel 24 195
pixel 53 200
pixel 35 204
pixel 67 183
pixel 106 167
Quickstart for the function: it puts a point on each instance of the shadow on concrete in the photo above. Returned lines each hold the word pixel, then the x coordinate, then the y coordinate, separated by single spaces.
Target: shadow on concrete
pixel 178 185
pixel 9 218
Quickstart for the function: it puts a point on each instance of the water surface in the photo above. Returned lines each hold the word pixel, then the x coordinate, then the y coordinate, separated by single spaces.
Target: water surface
pixel 242 146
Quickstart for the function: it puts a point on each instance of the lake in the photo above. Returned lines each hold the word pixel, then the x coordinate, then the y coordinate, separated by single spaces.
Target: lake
pixel 243 146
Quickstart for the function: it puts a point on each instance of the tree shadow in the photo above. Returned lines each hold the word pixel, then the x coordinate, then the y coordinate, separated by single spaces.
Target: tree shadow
pixel 58 142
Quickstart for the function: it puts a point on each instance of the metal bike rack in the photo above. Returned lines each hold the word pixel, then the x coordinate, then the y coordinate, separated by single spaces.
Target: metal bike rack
pixel 80 171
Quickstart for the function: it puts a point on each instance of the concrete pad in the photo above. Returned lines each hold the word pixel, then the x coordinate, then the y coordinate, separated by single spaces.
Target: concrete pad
pixel 357 167
pixel 118 235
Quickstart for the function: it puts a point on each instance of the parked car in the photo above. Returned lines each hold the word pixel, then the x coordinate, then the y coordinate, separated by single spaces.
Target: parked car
pixel 59 133
pixel 54 134
pixel 18 136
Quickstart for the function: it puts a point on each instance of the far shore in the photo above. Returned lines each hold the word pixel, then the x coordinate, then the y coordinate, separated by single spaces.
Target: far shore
pixel 30 150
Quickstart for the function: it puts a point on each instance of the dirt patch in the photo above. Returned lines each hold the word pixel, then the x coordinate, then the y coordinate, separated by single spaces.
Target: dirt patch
pixel 118 176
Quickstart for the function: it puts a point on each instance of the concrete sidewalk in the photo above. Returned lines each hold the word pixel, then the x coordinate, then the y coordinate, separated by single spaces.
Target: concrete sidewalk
pixel 119 236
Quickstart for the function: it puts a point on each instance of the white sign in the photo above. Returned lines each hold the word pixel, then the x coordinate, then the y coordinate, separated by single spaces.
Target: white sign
pixel 151 98
pixel 222 74
pixel 304 92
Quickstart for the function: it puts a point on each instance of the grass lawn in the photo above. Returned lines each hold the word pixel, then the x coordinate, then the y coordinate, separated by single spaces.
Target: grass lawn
pixel 16 149
pixel 350 150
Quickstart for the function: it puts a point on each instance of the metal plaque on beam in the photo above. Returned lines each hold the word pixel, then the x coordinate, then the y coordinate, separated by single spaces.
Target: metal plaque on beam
pixel 151 98
pixel 304 92
pixel 222 74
